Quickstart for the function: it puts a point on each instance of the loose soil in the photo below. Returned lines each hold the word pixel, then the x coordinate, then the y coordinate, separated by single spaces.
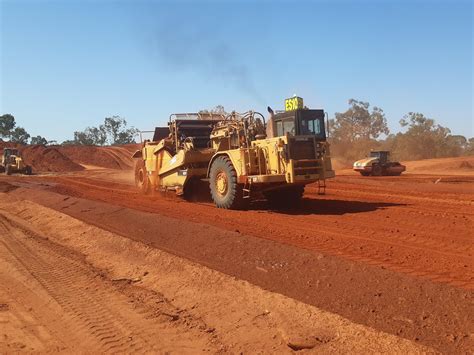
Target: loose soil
pixel 74 158
pixel 391 254
pixel 74 287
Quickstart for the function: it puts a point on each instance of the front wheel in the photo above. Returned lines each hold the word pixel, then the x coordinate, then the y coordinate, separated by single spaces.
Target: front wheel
pixel 142 182
pixel 225 191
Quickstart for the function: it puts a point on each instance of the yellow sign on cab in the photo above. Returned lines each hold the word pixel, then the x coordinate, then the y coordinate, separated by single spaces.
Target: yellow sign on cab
pixel 293 103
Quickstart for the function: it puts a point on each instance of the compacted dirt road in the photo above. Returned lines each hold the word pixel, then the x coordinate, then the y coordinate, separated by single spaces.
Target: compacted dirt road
pixel 408 224
pixel 393 255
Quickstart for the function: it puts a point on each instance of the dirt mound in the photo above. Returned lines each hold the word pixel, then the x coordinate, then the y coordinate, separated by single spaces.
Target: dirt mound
pixel 457 165
pixel 44 159
pixel 105 157
pixel 74 158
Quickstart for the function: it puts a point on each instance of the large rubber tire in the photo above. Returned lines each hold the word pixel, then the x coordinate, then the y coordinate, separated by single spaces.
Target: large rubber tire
pixel 287 198
pixel 377 170
pixel 142 182
pixel 225 191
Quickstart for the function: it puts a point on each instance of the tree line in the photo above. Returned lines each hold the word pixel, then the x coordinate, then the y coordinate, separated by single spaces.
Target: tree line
pixel 113 131
pixel 360 128
pixel 352 133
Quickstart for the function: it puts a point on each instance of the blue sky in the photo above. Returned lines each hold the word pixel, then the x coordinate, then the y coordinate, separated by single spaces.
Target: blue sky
pixel 66 65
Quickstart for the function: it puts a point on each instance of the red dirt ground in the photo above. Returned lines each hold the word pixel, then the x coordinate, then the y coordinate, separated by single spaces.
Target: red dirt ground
pixel 408 224
pixel 416 228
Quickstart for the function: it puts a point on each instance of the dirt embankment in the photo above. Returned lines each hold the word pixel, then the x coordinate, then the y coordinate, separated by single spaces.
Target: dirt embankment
pixel 48 159
pixel 104 157
pixel 391 253
pixel 90 290
pixel 455 166
pixel 63 159
pixel 443 166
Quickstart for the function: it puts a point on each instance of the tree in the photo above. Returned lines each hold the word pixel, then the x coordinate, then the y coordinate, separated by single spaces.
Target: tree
pixel 7 124
pixel 112 126
pixel 456 145
pixel 38 140
pixel 354 132
pixel 425 139
pixel 117 132
pixel 358 123
pixel 469 147
pixel 83 138
pixel 126 136
pixel 113 131
pixel 19 135
pixel 97 135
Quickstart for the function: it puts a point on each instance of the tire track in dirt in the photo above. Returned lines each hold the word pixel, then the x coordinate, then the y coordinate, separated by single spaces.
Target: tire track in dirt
pixel 415 249
pixel 99 318
pixel 432 313
pixel 120 156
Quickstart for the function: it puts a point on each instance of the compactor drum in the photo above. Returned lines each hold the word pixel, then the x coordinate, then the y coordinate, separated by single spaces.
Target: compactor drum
pixel 240 156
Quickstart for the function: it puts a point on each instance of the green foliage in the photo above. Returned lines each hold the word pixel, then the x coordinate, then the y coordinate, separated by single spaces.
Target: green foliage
pixel 38 140
pixel 469 147
pixel 19 135
pixel 114 131
pixel 69 142
pixel 358 123
pixel 353 133
pixel 7 124
pixel 425 139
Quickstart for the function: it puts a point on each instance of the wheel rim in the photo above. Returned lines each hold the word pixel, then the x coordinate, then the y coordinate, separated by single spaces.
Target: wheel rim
pixel 221 183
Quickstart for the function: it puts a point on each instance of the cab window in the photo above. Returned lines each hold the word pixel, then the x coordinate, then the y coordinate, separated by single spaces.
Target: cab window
pixel 310 126
pixel 311 122
pixel 285 126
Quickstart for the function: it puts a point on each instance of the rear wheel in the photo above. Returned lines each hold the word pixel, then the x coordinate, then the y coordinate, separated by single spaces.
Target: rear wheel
pixel 287 197
pixel 142 182
pixel 225 191
pixel 377 170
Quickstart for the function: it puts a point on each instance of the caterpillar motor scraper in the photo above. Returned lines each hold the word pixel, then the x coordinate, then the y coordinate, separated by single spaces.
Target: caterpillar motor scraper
pixel 240 156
